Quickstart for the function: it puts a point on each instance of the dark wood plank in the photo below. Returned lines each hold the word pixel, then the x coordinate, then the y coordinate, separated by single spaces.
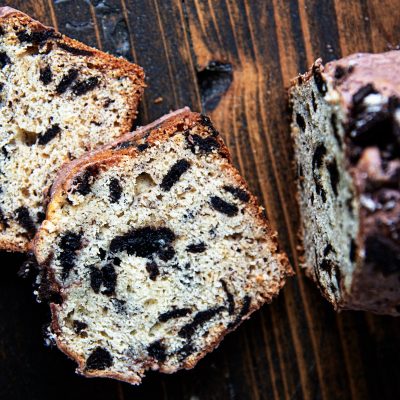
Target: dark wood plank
pixel 297 347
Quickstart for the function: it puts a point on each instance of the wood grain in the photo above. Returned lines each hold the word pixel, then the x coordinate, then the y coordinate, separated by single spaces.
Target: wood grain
pixel 296 348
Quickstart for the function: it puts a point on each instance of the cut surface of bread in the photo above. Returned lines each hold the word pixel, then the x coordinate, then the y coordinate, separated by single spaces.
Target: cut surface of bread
pixel 346 129
pixel 152 250
pixel 58 99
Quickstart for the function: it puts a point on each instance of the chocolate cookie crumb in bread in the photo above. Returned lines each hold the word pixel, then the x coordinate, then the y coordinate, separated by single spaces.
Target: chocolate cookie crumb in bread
pixel 59 98
pixel 346 128
pixel 163 254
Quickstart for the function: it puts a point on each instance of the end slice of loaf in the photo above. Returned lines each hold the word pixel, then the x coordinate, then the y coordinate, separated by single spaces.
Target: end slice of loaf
pixel 153 250
pixel 58 99
pixel 346 128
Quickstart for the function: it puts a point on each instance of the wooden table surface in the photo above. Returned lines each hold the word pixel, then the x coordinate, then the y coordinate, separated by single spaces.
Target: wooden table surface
pixel 232 59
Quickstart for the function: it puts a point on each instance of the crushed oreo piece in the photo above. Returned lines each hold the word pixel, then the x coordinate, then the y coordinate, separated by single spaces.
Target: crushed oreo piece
pixel 157 351
pixel 174 174
pixel 99 359
pixel 188 330
pixel 79 326
pixel 166 254
pixel 319 154
pixel 176 313
pixel 196 247
pixel 327 265
pixel 224 207
pixel 333 175
pixel 238 193
pixel 200 145
pixel 353 250
pixel 70 242
pixel 73 50
pixel 314 102
pixel 142 147
pixel 229 297
pixel 206 121
pixel 362 93
pixel 82 183
pixel 24 218
pixel 46 75
pixel 143 242
pixel 4 59
pixel 243 312
pixel 109 279
pixel 37 37
pixel 96 279
pixel 153 270
pixel 3 220
pixel 319 81
pixel 49 135
pixel 115 190
pixel 85 86
pixel 301 122
pixel 102 254
pixel 335 129
pixel 328 249
pixel 185 351
pixel 67 81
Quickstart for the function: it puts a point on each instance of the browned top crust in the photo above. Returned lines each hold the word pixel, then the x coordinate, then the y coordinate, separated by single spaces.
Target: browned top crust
pixel 352 72
pixel 120 64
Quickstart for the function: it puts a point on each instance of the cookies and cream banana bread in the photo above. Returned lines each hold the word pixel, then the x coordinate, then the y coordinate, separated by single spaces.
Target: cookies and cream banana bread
pixel 152 250
pixel 346 129
pixel 58 99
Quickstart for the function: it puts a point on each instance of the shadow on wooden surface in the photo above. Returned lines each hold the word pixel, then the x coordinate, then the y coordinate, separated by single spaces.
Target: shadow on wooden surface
pixel 234 59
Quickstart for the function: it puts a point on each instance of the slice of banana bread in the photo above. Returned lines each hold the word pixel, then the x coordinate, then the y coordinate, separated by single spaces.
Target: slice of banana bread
pixel 346 128
pixel 152 250
pixel 58 98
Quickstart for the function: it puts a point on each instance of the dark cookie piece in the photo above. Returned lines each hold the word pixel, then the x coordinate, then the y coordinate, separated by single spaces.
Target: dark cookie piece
pixel 166 254
pixel 85 86
pixel 334 175
pixel 46 75
pixel 238 193
pixel 224 207
pixel 123 145
pixel 74 50
pixel 200 145
pixel 70 242
pixel 206 121
pixel 4 59
pixel 99 359
pixel 40 217
pixel 328 265
pixel 102 254
pixel 79 326
pixel 328 250
pixel 319 81
pixel 362 93
pixel 353 250
pixel 96 279
pixel 37 37
pixel 196 247
pixel 301 122
pixel 24 218
pixel 115 190
pixel 176 313
pixel 157 351
pixel 82 183
pixel 67 81
pixel 174 174
pixel 142 147
pixel 153 270
pixel 109 279
pixel 185 351
pixel 143 242
pixel 335 129
pixel 243 311
pixel 229 297
pixel 188 330
pixel 3 220
pixel 383 254
pixel 318 157
pixel 50 134
pixel 314 102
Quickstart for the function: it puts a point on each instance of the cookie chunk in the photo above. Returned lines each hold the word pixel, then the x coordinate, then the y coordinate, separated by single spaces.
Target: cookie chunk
pixel 162 254
pixel 346 129
pixel 59 98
